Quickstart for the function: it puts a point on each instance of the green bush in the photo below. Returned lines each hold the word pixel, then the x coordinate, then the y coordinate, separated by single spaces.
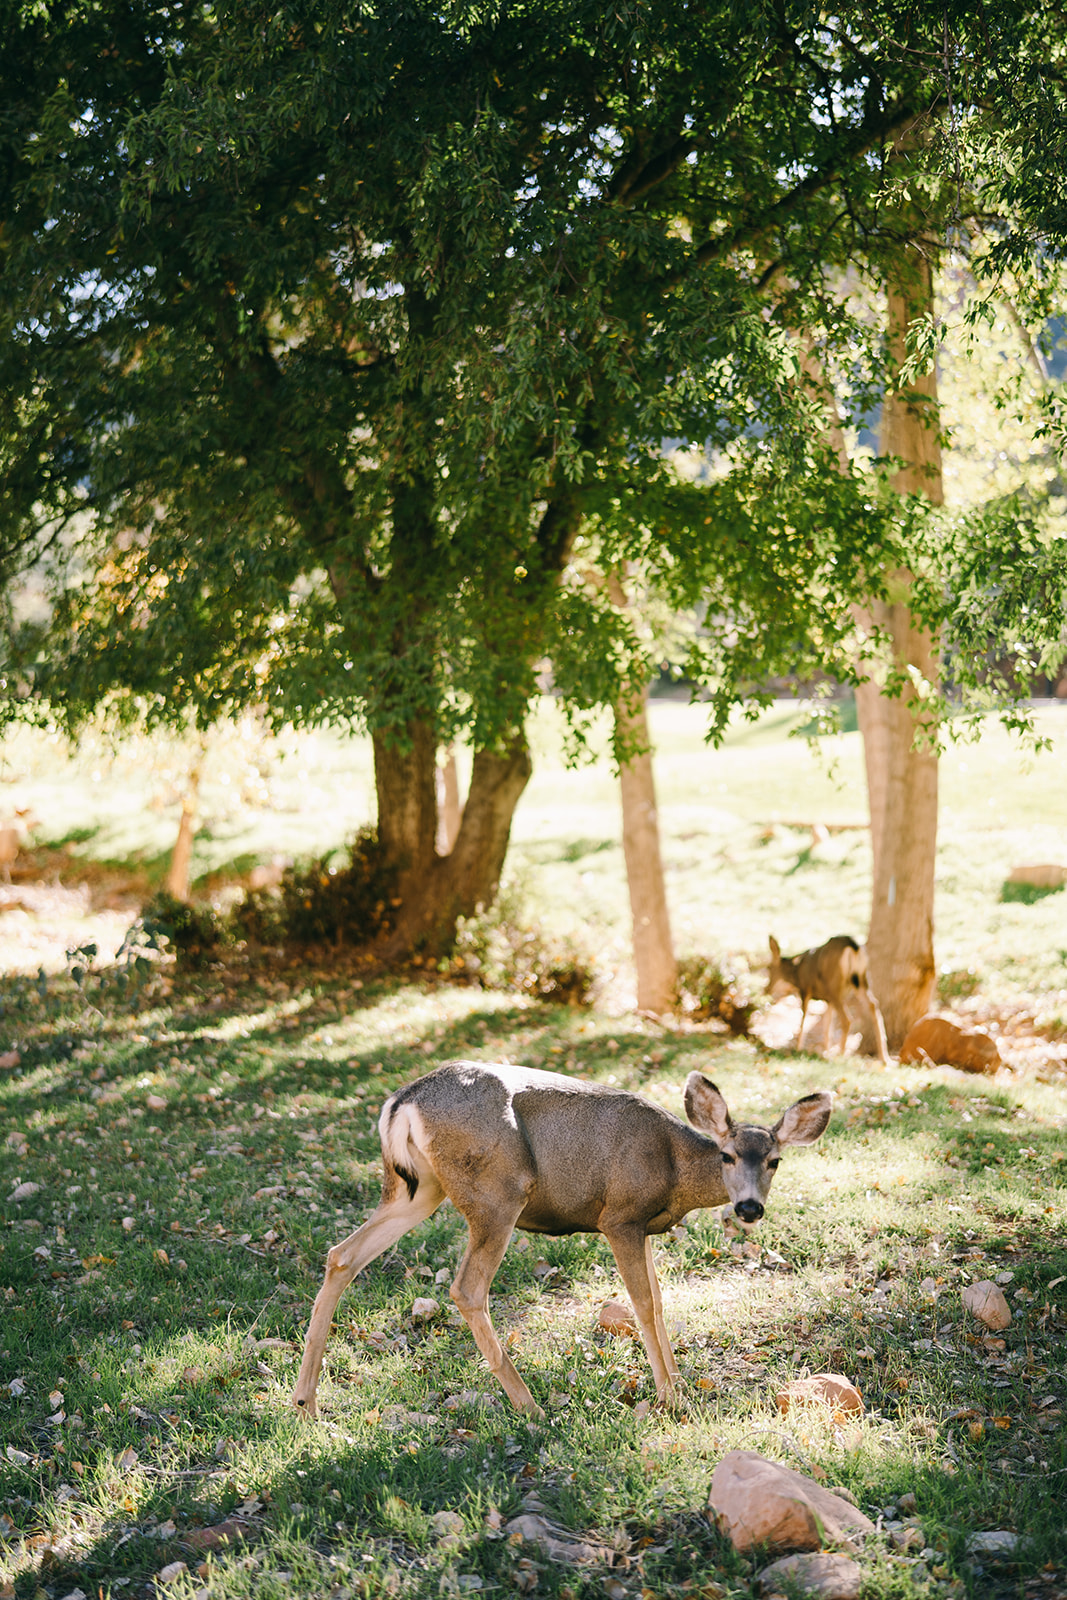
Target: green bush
pixel 194 933
pixel 324 903
pixel 502 948
pixel 707 990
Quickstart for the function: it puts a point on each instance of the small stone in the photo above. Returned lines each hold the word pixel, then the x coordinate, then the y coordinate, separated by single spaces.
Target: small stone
pixel 172 1570
pixel 447 1524
pixel 828 1576
pixel 156 1102
pixel 998 1542
pixel 829 1388
pixel 24 1191
pixel 987 1303
pixel 425 1308
pixel 617 1317
pixel 907 1503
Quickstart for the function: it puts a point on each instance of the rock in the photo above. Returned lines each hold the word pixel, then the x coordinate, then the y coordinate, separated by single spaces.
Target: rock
pixel 987 1303
pixel 907 1503
pixel 1040 875
pixel 617 1317
pixel 173 1570
pixel 425 1308
pixel 216 1538
pixel 829 1388
pixel 24 1191
pixel 999 1542
pixel 556 1542
pixel 831 1577
pixel 905 1535
pixel 756 1501
pixel 447 1524
pixel 155 1102
pixel 942 1042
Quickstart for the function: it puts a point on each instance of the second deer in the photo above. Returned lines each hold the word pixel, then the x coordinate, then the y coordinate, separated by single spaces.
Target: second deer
pixel 835 972
pixel 513 1147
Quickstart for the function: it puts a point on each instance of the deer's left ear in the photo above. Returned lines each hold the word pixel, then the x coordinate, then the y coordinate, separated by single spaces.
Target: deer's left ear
pixel 805 1120
pixel 706 1108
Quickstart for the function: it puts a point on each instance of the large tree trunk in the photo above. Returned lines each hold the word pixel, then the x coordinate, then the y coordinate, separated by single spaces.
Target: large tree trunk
pixel 901 763
pixel 435 890
pixel 657 970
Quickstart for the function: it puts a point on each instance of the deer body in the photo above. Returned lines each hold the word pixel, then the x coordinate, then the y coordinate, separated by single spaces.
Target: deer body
pixel 515 1147
pixel 832 972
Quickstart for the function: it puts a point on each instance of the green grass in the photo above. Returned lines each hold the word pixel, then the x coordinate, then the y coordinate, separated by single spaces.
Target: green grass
pixel 175 1334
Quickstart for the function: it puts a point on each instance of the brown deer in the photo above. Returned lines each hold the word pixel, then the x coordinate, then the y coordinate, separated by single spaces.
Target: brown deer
pixel 512 1147
pixel 834 972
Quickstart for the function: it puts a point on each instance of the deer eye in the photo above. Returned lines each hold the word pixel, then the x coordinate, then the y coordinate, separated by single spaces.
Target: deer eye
pixel 773 1165
pixel 728 1161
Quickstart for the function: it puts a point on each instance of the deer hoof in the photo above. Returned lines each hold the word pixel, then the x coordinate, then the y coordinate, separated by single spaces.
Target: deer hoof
pixel 306 1408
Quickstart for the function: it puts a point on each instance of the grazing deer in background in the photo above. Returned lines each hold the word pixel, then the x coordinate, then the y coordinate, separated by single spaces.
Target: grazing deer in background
pixel 512 1147
pixel 834 972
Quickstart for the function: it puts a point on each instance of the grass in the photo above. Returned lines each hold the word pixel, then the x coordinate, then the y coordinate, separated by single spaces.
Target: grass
pixel 196 1159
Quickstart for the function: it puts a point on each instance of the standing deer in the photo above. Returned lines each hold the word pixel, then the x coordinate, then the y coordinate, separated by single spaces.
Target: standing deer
pixel 831 972
pixel 513 1147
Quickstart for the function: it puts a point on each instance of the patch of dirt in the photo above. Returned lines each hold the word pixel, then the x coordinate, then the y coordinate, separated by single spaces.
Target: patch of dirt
pixel 55 903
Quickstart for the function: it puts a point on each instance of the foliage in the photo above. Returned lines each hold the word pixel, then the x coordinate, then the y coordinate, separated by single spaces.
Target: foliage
pixel 321 903
pixel 709 988
pixel 505 948
pixel 193 932
pixel 125 979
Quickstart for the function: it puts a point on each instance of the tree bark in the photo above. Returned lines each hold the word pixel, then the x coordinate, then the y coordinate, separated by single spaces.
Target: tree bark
pixel 176 881
pixel 901 765
pixel 449 808
pixel 435 890
pixel 657 970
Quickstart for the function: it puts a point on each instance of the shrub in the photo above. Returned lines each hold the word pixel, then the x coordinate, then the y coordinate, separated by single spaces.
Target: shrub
pixel 193 932
pixel 503 948
pixel 709 991
pixel 321 903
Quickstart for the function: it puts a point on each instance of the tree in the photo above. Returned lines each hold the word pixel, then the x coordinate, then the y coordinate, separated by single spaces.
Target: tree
pixel 350 331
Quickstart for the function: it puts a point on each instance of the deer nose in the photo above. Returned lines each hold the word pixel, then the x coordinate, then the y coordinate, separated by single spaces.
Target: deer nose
pixel 749 1210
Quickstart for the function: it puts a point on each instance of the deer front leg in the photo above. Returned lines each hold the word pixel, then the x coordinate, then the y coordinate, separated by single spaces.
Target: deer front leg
pixel 803 1019
pixel 393 1218
pixel 470 1292
pixel 633 1253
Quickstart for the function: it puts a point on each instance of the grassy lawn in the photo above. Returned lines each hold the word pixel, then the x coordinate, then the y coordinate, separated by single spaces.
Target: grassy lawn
pixel 176 1175
pixel 195 1161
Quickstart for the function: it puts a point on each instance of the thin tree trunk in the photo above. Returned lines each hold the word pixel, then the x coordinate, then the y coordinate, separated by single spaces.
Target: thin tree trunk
pixel 901 764
pixel 449 809
pixel 176 881
pixel 657 970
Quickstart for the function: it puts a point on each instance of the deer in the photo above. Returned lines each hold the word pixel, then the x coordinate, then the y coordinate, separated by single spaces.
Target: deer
pixel 830 972
pixel 515 1147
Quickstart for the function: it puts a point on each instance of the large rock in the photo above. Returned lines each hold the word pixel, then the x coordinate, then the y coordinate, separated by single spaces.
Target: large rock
pixel 617 1317
pixel 830 1577
pixel 829 1388
pixel 944 1043
pixel 755 1501
pixel 986 1302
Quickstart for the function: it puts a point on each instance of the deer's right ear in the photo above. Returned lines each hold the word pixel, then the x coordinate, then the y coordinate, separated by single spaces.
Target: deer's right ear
pixel 776 949
pixel 706 1108
pixel 804 1121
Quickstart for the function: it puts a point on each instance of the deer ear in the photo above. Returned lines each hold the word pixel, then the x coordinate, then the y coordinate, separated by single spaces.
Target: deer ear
pixel 706 1108
pixel 776 949
pixel 805 1120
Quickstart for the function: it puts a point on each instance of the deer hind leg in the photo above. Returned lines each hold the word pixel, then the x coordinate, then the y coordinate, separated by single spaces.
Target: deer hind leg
pixel 488 1240
pixel 804 1002
pixel 633 1253
pixel 398 1212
